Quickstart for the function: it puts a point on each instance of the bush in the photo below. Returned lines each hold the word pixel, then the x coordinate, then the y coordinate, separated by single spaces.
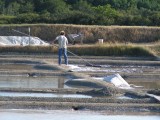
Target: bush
pixel 4 19
pixel 27 18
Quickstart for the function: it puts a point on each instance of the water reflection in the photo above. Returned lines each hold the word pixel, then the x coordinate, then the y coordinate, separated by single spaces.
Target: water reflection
pixel 147 84
pixel 52 95
pixel 32 82
pixel 60 82
pixel 56 82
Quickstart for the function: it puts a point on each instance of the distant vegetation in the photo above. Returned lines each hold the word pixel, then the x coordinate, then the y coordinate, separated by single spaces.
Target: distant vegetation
pixel 86 12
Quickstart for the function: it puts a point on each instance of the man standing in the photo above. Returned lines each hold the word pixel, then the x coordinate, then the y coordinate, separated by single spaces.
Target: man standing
pixel 62 42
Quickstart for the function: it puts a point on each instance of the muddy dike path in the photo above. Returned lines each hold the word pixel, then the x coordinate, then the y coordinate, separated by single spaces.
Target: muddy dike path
pixel 28 82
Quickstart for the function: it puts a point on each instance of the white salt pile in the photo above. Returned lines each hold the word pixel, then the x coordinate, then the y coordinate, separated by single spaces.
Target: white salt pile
pixel 21 40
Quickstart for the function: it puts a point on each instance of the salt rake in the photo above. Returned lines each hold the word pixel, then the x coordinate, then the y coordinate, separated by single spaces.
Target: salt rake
pixel 87 63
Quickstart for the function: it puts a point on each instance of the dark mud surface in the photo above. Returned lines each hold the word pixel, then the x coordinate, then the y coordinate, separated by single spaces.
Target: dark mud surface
pixel 41 71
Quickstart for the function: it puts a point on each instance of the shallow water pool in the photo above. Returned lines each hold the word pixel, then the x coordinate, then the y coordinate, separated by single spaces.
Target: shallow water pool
pixel 32 82
pixel 71 115
pixel 51 95
pixel 147 84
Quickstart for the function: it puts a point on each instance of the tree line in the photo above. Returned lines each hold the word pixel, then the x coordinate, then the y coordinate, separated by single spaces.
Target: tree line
pixel 87 12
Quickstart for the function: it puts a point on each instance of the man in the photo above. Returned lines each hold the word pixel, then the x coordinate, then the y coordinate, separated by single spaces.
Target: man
pixel 62 42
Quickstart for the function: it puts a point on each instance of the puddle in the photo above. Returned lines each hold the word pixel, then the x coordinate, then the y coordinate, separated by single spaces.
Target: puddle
pixel 71 115
pixel 56 82
pixel 32 82
pixel 23 66
pixel 124 97
pixel 19 94
pixel 147 84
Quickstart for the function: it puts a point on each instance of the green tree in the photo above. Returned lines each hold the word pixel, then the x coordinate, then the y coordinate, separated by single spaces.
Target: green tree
pixel 105 15
pixel 27 18
pixel 27 7
pixel 78 17
pixel 84 7
pixel 123 4
pixel 2 6
pixel 103 12
pixel 13 9
pixel 155 18
pixel 45 17
pixel 52 6
pixel 71 1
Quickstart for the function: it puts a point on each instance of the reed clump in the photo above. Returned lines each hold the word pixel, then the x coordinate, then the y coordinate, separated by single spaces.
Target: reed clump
pixel 112 50
pixel 91 50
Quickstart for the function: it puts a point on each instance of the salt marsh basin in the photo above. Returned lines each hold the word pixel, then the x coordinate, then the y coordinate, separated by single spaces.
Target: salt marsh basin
pixel 50 97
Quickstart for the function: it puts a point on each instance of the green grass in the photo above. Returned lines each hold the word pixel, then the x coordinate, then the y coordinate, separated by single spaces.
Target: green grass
pixel 155 49
pixel 112 50
pixel 6 19
pixel 91 50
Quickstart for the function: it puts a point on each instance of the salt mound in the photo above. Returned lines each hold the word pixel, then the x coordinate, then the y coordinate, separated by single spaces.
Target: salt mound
pixel 21 40
pixel 117 80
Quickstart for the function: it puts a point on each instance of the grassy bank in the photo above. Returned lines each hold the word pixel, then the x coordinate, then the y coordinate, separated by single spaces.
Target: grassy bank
pixel 112 50
pixel 48 32
pixel 155 49
pixel 27 49
pixel 92 50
